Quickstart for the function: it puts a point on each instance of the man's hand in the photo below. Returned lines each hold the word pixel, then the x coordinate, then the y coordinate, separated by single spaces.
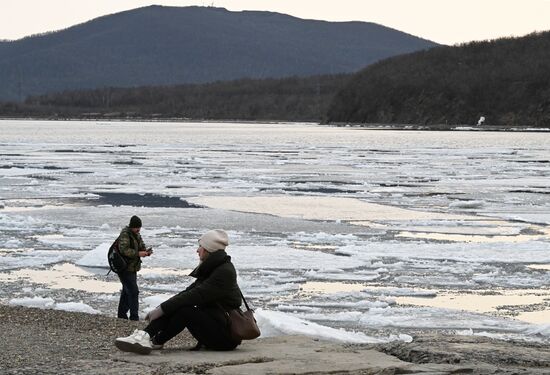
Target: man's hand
pixel 154 314
pixel 144 253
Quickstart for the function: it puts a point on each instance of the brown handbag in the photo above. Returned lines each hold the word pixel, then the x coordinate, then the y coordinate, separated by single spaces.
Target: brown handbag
pixel 242 324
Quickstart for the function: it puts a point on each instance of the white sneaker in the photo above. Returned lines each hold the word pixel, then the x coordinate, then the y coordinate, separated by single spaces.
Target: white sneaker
pixel 157 346
pixel 138 342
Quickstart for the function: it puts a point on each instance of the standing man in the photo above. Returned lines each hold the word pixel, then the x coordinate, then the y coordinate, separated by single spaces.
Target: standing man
pixel 132 247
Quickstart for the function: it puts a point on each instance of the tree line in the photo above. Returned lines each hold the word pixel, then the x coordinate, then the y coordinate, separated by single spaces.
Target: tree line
pixel 287 99
pixel 506 81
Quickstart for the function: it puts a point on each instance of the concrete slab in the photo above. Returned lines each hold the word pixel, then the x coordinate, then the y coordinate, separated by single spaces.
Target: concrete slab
pixel 285 355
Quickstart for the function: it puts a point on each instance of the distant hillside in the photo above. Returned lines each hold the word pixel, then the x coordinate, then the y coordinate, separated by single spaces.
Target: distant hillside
pixel 170 45
pixel 283 99
pixel 507 81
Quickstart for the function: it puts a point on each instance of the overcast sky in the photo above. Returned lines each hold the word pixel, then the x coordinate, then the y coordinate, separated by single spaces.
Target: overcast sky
pixel 442 21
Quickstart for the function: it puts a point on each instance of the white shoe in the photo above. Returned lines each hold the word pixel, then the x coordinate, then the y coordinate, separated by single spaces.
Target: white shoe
pixel 138 342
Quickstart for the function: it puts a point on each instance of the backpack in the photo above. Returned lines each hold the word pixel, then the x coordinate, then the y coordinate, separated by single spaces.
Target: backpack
pixel 117 262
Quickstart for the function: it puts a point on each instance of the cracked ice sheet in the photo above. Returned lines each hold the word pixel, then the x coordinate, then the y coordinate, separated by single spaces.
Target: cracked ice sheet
pixel 480 303
pixel 265 257
pixel 471 238
pixel 322 208
pixel 446 227
pixel 25 258
pixel 465 175
pixel 423 317
pixel 62 276
pixel 532 251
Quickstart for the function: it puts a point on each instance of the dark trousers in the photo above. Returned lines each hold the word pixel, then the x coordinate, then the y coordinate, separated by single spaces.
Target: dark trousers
pixel 128 296
pixel 209 330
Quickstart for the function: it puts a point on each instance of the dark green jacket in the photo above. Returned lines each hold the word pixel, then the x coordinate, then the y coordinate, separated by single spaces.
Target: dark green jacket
pixel 216 285
pixel 129 245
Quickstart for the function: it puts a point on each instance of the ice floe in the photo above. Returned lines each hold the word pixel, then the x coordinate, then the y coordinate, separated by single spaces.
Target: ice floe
pixel 329 227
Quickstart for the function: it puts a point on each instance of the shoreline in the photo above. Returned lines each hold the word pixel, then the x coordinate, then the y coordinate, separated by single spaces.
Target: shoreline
pixel 381 127
pixel 56 341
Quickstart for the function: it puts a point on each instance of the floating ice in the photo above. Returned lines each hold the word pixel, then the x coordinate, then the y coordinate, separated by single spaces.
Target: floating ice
pixel 27 258
pixel 154 301
pixel 435 318
pixel 542 329
pixel 49 303
pixel 266 257
pixel 380 210
pixel 12 244
pixel 76 307
pixel 467 204
pixel 532 251
pixel 96 257
pixel 39 302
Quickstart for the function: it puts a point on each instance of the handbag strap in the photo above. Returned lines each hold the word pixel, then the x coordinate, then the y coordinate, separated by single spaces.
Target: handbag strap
pixel 244 300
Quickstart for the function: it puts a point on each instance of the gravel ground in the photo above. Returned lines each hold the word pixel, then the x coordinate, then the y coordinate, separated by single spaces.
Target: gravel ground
pixel 37 341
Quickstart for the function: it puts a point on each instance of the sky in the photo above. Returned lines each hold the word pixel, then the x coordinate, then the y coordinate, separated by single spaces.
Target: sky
pixel 443 21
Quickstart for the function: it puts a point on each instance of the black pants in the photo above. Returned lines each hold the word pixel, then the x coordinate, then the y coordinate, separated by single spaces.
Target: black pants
pixel 207 328
pixel 128 296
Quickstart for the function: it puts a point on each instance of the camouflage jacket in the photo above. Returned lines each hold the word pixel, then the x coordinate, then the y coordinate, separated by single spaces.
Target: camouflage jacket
pixel 129 245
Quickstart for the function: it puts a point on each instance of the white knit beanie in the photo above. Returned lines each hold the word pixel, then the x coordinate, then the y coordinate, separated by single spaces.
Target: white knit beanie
pixel 214 240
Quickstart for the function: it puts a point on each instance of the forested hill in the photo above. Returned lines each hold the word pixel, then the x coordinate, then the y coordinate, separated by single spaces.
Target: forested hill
pixel 159 45
pixel 507 81
pixel 283 99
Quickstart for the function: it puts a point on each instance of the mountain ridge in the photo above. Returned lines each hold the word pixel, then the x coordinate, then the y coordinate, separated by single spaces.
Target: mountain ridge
pixel 159 45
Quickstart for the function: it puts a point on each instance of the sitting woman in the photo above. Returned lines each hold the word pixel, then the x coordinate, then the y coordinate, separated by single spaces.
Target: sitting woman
pixel 200 308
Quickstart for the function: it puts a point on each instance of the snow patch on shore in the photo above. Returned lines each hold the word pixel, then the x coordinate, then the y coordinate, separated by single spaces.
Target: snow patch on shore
pixel 275 323
pixel 49 303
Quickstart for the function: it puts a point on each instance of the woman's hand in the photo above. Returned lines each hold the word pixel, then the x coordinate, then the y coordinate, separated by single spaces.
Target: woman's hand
pixel 154 314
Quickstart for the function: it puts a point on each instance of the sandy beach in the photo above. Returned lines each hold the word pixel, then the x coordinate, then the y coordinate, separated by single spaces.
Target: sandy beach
pixel 41 341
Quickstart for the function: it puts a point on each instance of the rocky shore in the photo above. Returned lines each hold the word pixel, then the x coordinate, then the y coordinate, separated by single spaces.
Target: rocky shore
pixel 36 341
